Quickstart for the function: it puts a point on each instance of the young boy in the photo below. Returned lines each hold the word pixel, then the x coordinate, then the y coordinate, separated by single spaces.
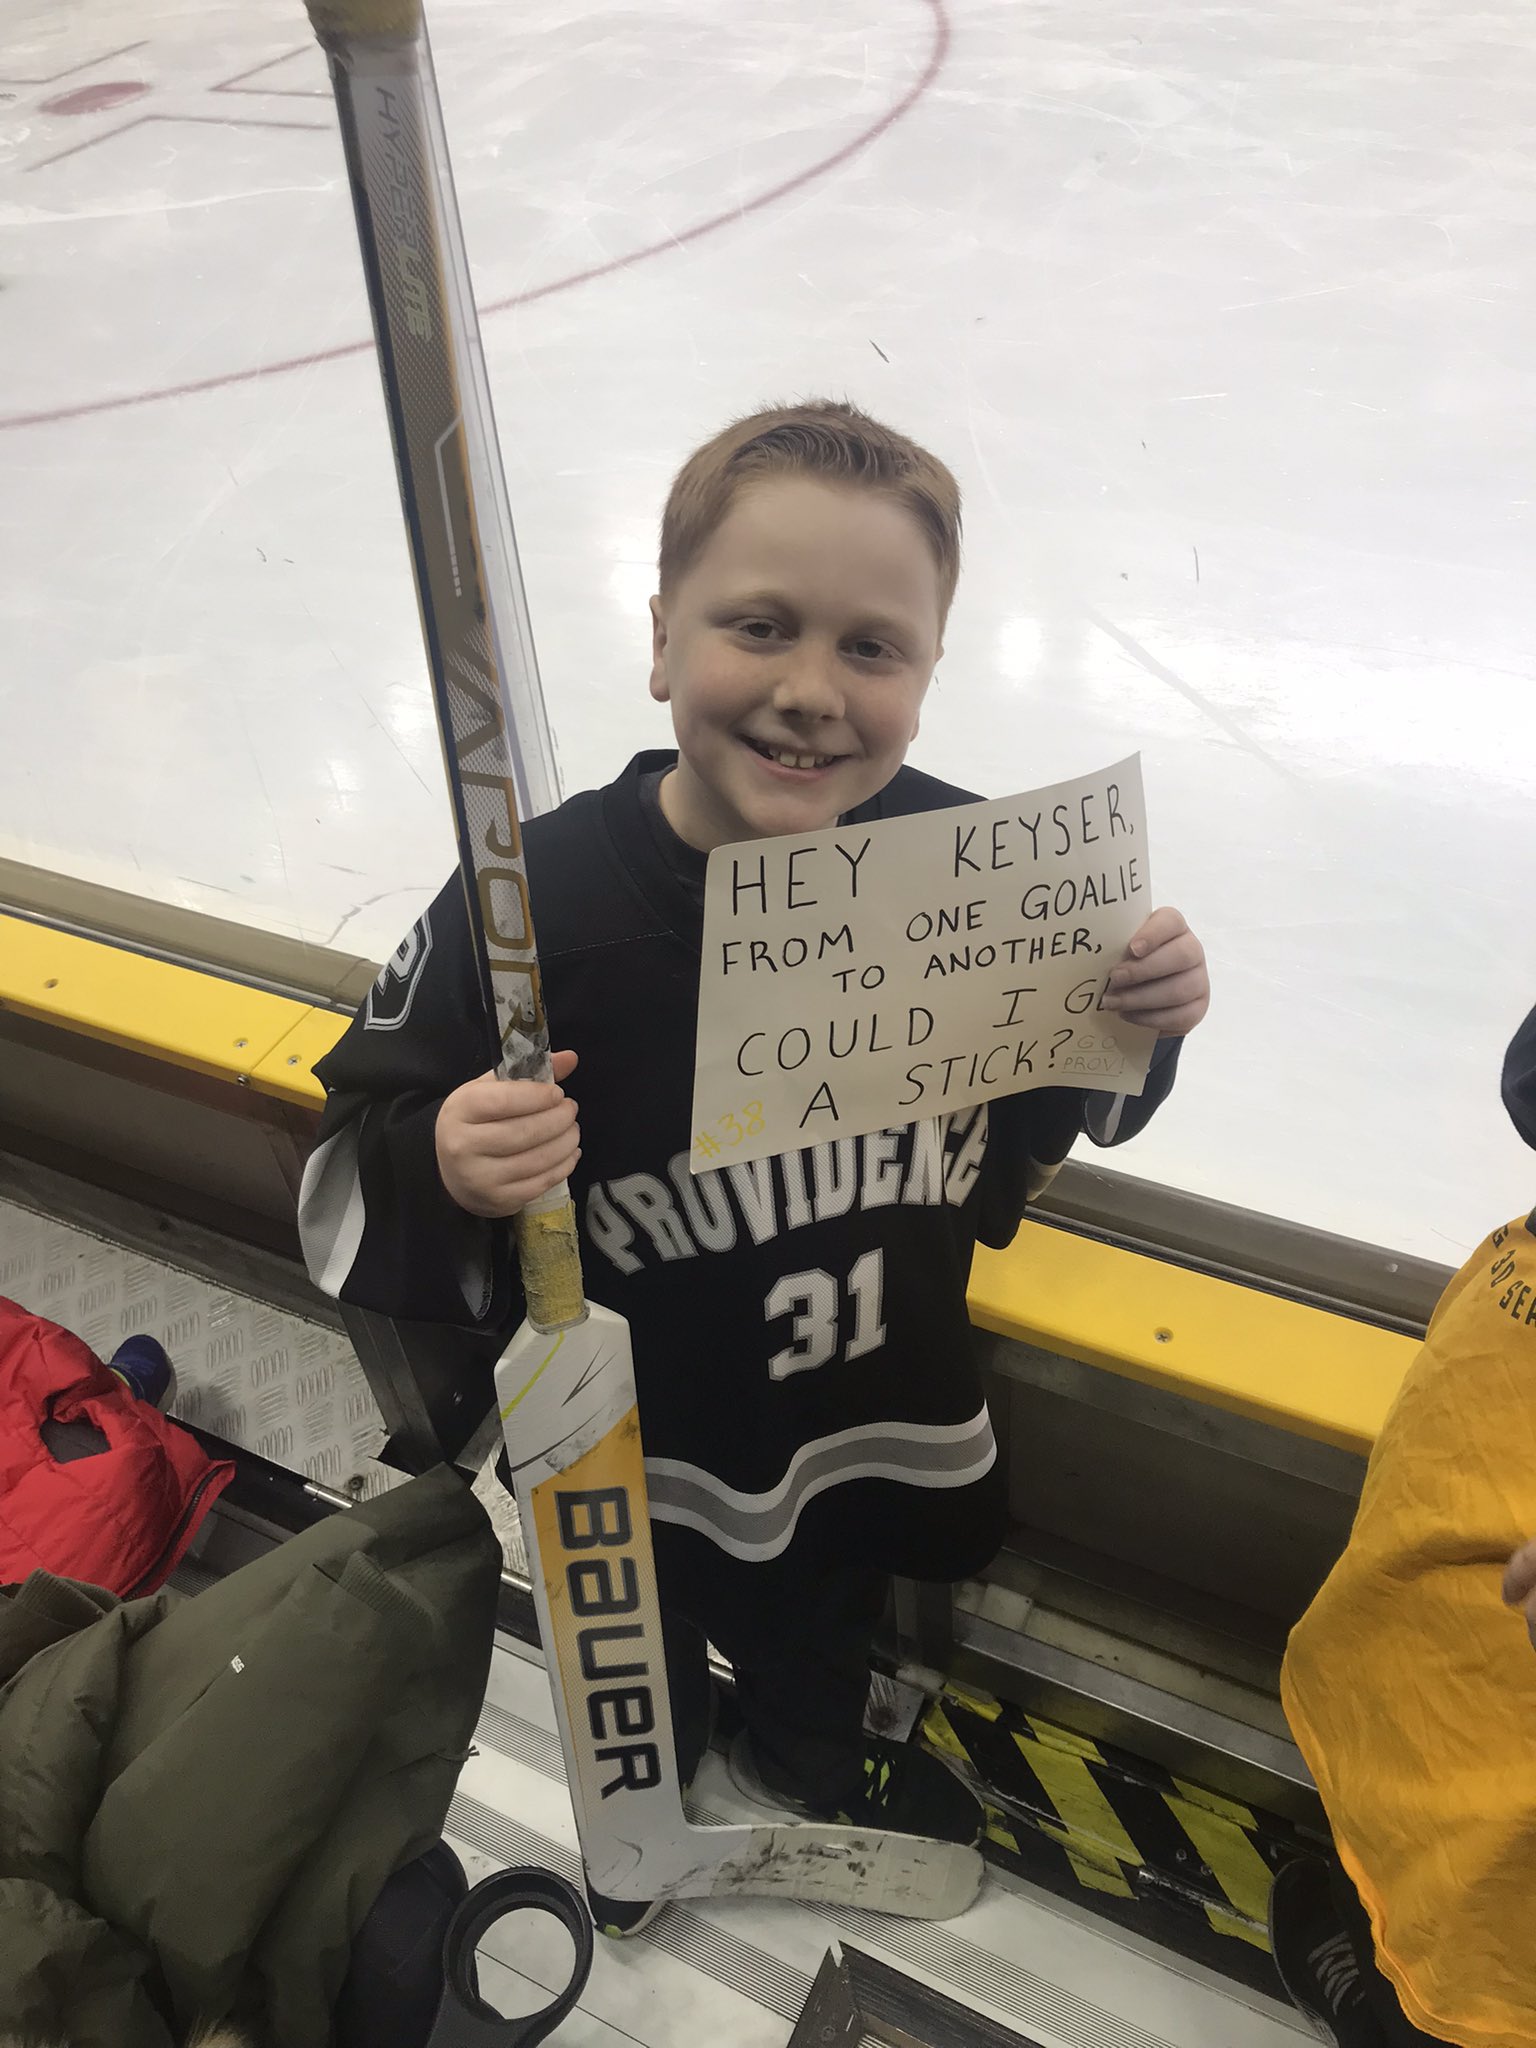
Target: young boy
pixel 812 1412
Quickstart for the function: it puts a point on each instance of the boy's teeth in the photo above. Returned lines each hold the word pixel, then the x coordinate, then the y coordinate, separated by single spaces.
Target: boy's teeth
pixel 798 760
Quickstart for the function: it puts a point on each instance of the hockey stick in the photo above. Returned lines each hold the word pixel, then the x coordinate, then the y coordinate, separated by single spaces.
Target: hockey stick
pixel 565 1384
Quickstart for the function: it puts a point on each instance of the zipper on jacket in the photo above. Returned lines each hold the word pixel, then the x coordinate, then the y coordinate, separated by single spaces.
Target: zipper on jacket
pixel 146 1583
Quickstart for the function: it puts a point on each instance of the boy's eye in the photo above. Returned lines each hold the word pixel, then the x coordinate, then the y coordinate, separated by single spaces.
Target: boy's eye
pixel 870 650
pixel 759 629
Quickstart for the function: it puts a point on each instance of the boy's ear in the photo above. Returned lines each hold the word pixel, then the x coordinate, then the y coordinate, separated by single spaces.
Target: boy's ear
pixel 659 689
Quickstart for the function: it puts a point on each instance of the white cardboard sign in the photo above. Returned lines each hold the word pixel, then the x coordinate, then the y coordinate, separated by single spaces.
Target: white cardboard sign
pixel 868 976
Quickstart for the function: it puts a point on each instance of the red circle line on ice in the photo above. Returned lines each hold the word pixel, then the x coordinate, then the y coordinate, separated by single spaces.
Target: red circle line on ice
pixel 758 203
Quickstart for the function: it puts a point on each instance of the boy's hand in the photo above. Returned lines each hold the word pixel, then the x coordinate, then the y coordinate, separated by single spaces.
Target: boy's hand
pixel 1520 1585
pixel 1163 984
pixel 501 1143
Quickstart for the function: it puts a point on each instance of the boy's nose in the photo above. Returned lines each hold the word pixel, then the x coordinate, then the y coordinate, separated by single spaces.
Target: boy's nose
pixel 810 684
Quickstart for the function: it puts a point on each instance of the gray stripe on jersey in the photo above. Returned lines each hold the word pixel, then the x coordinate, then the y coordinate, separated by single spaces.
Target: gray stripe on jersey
pixel 331 1212
pixel 756 1526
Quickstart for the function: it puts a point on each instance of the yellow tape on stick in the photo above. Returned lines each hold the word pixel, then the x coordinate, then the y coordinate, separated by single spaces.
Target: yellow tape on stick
pixel 550 1258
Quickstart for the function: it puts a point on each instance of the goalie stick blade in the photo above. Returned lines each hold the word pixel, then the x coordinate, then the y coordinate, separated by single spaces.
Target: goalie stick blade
pixel 912 1875
pixel 567 1401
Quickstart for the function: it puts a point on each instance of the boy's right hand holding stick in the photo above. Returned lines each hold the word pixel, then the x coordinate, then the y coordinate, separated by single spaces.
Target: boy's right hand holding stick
pixel 500 1144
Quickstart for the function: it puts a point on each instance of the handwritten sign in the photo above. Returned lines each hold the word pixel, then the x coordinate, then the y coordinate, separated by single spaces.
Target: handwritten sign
pixel 871 975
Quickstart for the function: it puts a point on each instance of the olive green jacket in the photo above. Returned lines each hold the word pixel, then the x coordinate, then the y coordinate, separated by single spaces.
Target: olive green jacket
pixel 200 1799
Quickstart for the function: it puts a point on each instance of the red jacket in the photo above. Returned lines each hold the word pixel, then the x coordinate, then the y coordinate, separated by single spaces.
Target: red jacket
pixel 121 1517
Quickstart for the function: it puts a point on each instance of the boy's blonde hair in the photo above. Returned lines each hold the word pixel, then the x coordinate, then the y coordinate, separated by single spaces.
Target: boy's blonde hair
pixel 826 439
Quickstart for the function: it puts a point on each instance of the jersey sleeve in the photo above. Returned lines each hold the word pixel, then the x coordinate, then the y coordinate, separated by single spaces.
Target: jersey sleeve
pixel 1111 1119
pixel 377 1225
pixel 1034 1132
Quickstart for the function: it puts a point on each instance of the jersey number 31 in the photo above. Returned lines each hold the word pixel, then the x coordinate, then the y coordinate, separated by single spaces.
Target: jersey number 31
pixel 815 1300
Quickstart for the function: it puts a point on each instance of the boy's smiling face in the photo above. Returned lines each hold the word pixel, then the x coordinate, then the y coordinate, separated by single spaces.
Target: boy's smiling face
pixel 795 653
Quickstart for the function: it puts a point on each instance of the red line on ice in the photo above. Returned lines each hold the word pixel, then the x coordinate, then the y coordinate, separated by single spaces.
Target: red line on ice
pixel 85 64
pixel 237 84
pixel 143 121
pixel 939 51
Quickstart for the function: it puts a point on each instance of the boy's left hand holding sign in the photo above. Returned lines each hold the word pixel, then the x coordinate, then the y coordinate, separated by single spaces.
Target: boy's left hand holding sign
pixel 1164 984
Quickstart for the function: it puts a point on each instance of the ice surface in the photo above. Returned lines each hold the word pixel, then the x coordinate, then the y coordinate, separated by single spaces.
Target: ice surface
pixel 1222 313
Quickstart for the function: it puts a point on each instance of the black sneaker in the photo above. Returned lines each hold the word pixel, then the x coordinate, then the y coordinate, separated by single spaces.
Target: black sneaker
pixel 904 1791
pixel 1316 1958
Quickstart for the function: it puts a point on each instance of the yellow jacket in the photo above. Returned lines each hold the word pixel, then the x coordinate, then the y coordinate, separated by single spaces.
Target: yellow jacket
pixel 1410 1686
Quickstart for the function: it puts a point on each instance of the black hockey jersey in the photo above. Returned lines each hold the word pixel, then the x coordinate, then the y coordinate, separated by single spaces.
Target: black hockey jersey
pixel 803 1354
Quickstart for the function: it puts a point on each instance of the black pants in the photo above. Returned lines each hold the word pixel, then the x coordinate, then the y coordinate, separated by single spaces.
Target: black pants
pixel 802 1680
pixel 1397 2030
